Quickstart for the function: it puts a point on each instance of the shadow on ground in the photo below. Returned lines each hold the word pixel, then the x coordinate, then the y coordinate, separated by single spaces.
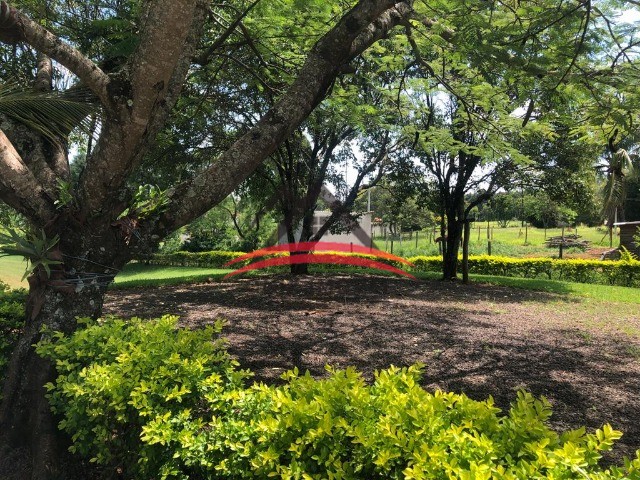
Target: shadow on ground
pixel 478 339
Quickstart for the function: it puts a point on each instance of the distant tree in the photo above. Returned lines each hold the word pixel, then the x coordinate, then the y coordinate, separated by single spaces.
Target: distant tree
pixel 560 165
pixel 543 212
pixel 505 207
pixel 460 116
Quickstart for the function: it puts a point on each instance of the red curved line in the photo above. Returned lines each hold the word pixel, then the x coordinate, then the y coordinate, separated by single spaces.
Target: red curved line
pixel 319 258
pixel 318 246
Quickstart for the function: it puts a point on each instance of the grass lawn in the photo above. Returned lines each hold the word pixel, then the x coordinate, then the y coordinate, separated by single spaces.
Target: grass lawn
pixel 137 275
pixel 512 241
pixel 11 271
pixel 134 274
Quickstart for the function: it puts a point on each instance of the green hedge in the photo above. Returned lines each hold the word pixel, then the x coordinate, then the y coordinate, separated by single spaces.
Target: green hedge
pixel 213 259
pixel 155 401
pixel 217 259
pixel 622 272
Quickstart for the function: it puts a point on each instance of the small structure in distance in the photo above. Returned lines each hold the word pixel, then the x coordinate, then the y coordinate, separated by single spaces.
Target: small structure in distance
pixel 628 230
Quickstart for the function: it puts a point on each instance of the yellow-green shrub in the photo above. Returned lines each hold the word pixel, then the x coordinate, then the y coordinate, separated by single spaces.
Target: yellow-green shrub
pixel 160 402
pixel 213 259
pixel 623 272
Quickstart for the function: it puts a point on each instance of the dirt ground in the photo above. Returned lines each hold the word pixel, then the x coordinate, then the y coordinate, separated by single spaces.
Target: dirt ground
pixel 583 356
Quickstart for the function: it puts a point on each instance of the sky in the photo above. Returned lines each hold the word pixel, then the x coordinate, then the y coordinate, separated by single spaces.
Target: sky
pixel 631 15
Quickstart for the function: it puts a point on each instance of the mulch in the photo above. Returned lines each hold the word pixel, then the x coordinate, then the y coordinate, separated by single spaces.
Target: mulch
pixel 482 340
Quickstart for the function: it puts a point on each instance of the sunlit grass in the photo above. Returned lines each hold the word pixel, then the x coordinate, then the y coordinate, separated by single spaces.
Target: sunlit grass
pixel 11 271
pixel 603 293
pixel 512 241
pixel 137 274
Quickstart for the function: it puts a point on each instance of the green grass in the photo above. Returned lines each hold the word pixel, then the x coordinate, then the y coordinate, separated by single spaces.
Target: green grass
pixel 11 271
pixel 509 241
pixel 134 274
pixel 604 293
pixel 137 274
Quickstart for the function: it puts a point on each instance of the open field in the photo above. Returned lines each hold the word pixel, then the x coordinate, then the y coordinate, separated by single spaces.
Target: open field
pixel 513 241
pixel 582 354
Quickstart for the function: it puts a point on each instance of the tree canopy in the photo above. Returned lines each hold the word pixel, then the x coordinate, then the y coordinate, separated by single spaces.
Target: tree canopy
pixel 178 103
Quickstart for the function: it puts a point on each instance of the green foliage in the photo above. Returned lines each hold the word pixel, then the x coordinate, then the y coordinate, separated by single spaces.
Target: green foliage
pixel 160 402
pixel 209 232
pixel 53 115
pixel 11 322
pixel 624 272
pixel 65 194
pixel 148 199
pixel 626 255
pixel 38 250
pixel 9 218
pixel 117 378
pixel 212 259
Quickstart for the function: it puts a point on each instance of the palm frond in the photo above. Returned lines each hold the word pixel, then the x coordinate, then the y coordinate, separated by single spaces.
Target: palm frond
pixel 52 114
pixel 614 195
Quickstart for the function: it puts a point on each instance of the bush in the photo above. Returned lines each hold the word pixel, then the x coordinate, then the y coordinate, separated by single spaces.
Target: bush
pixel 159 402
pixel 116 378
pixel 217 259
pixel 212 259
pixel 623 272
pixel 12 316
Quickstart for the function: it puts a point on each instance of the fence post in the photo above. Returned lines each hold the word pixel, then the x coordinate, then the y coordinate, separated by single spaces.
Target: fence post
pixel 465 252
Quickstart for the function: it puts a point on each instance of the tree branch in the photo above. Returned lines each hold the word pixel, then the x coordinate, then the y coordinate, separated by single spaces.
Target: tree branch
pixel 145 99
pixel 367 22
pixel 17 27
pixel 205 57
pixel 19 188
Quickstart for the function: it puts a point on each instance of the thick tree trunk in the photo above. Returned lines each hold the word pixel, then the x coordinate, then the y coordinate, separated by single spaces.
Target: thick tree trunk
pixel 450 263
pixel 26 421
pixel 89 255
pixel 455 225
pixel 305 236
pixel 465 252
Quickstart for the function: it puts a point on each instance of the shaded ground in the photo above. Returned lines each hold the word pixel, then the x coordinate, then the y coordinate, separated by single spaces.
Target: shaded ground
pixel 584 356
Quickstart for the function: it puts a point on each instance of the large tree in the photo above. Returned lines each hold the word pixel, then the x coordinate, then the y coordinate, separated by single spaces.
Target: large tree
pixel 492 74
pixel 96 224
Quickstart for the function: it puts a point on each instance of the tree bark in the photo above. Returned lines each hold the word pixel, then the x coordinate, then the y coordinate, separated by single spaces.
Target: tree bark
pixel 26 421
pixel 465 252
pixel 455 223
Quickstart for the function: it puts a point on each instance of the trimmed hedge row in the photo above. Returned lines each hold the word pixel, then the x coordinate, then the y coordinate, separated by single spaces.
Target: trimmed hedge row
pixel 213 259
pixel 154 401
pixel 622 272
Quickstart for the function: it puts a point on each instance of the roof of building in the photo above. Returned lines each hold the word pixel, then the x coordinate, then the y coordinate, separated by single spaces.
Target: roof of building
pixel 620 224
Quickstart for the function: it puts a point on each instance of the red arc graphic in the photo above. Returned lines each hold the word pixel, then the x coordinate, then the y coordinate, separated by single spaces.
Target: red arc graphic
pixel 319 257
